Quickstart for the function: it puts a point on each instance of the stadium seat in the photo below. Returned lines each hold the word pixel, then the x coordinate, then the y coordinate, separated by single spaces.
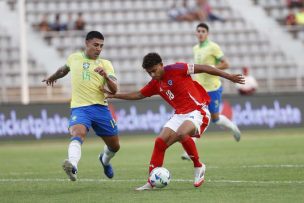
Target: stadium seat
pixel 135 27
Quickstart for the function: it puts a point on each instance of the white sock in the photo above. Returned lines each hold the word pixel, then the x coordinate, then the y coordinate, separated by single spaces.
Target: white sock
pixel 225 122
pixel 107 155
pixel 74 152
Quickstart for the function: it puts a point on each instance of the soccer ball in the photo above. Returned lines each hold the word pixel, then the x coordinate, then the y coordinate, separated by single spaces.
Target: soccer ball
pixel 159 177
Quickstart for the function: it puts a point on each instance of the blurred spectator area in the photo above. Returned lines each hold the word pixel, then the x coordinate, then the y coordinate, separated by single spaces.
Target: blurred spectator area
pixel 10 75
pixel 279 10
pixel 133 28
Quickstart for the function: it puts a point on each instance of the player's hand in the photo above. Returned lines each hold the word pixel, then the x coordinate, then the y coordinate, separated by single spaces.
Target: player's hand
pixel 101 71
pixel 49 81
pixel 237 78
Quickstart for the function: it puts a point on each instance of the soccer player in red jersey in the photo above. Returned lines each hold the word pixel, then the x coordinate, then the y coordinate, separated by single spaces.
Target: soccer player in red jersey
pixel 190 101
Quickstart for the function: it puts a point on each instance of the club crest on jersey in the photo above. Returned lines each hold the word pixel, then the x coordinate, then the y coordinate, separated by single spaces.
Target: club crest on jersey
pixel 86 65
pixel 170 82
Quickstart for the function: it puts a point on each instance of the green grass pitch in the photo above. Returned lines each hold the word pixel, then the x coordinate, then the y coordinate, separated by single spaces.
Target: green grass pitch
pixel 266 166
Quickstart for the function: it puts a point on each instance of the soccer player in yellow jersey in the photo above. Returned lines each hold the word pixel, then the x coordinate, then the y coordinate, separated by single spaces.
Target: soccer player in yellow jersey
pixel 209 53
pixel 89 108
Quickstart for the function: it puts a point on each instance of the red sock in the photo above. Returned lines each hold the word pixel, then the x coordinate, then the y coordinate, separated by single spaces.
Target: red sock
pixel 190 148
pixel 158 154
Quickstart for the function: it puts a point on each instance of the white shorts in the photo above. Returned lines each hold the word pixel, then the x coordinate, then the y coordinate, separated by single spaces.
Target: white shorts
pixel 200 119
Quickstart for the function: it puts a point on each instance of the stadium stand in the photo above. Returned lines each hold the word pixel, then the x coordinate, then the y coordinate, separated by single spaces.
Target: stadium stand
pixel 278 9
pixel 135 27
pixel 10 74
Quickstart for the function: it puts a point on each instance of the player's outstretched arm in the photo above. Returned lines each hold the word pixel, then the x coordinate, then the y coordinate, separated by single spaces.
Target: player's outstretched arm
pixel 236 78
pixel 126 96
pixel 223 64
pixel 60 73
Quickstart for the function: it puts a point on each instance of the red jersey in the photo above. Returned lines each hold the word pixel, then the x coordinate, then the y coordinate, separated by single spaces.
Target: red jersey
pixel 178 89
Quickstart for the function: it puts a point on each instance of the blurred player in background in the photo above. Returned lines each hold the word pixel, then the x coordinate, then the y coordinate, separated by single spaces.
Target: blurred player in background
pixel 190 101
pixel 209 53
pixel 250 85
pixel 89 107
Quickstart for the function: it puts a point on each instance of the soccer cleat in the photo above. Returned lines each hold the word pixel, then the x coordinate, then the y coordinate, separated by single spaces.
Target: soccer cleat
pixel 199 175
pixel 70 170
pixel 236 133
pixel 107 169
pixel 146 186
pixel 185 156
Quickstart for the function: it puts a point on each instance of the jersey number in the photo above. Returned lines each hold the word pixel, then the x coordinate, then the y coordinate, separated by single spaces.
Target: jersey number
pixel 170 94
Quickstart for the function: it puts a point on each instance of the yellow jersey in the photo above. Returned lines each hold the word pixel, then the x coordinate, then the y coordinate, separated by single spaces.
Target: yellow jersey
pixel 85 81
pixel 208 53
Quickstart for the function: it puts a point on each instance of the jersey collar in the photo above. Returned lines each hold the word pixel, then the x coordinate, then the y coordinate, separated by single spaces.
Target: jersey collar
pixel 204 43
pixel 86 57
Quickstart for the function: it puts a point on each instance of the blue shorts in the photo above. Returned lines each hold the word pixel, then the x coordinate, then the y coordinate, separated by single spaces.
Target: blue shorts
pixel 215 100
pixel 96 116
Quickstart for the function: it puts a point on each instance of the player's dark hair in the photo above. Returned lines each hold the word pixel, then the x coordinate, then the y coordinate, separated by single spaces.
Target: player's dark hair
pixel 94 34
pixel 203 25
pixel 150 60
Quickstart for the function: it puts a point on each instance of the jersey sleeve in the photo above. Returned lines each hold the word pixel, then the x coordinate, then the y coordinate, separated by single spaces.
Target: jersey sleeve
pixel 190 69
pixel 217 53
pixel 178 68
pixel 150 89
pixel 185 68
pixel 109 68
pixel 69 61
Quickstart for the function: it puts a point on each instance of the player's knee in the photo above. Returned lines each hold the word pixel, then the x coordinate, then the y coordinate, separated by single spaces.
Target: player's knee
pixel 215 120
pixel 78 132
pixel 181 135
pixel 115 148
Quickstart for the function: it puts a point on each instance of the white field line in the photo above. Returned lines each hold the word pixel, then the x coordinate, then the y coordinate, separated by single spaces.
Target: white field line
pixel 143 180
pixel 274 166
pixel 208 167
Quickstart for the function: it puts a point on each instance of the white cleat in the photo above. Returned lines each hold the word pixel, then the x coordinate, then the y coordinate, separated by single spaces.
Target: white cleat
pixel 185 156
pixel 70 170
pixel 146 186
pixel 199 175
pixel 236 133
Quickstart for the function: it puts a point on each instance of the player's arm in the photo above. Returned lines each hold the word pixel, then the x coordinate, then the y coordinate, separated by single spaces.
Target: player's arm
pixel 223 64
pixel 127 96
pixel 111 81
pixel 60 73
pixel 236 78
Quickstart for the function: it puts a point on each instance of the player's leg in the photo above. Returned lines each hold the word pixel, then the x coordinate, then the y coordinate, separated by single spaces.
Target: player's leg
pixel 176 129
pixel 105 127
pixel 190 148
pixel 185 156
pixel 166 138
pixel 221 120
pixel 70 165
pixel 112 146
pixel 78 127
pixel 162 142
pixel 195 124
pixel 188 128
